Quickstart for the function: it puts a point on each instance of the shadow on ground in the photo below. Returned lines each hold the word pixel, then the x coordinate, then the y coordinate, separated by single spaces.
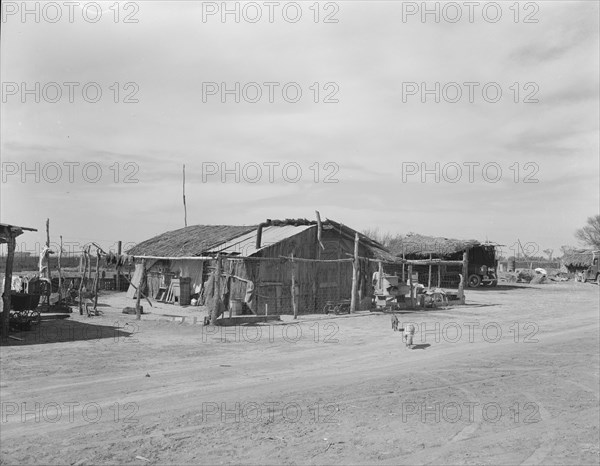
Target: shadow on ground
pixel 63 331
pixel 421 346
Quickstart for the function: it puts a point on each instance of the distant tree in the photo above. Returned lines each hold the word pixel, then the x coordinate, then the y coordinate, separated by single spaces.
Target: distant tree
pixel 565 248
pixel 549 252
pixel 385 239
pixel 589 235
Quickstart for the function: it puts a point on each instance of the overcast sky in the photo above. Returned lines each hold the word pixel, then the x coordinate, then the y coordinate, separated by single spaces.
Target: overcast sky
pixel 369 130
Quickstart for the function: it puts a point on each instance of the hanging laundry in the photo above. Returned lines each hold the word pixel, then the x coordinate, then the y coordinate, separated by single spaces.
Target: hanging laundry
pixel 249 298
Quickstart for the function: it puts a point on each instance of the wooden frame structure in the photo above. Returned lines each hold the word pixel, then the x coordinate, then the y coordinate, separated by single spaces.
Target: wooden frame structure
pixel 8 235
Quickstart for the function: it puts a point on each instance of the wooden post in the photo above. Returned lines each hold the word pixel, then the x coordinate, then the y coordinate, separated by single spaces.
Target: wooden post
pixel 81 283
pixel 217 293
pixel 184 206
pixel 138 313
pixel 294 304
pixel 48 274
pixel 60 282
pixel 118 278
pixel 317 268
pixel 319 234
pixel 88 266
pixel 429 278
pixel 410 284
pixel 403 259
pixel 439 281
pixel 97 279
pixel 464 278
pixel 11 244
pixel 355 264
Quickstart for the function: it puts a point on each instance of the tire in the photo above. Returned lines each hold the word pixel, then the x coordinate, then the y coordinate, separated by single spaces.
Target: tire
pixel 598 279
pixel 474 281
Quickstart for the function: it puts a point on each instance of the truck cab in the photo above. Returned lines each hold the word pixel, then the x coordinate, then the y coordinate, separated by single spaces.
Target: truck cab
pixel 592 274
pixel 483 266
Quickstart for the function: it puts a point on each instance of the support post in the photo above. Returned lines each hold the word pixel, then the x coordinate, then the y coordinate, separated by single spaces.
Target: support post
pixel 118 278
pixel 355 264
pixel 319 234
pixel 138 313
pixel 217 293
pixel 97 279
pixel 403 264
pixel 410 284
pixel 81 283
pixel 184 206
pixel 88 266
pixel 60 282
pixel 11 244
pixel 464 278
pixel 439 280
pixel 294 303
pixel 429 277
pixel 48 273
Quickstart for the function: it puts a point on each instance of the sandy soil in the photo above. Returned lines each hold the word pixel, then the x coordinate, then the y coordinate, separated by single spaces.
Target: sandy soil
pixel 518 385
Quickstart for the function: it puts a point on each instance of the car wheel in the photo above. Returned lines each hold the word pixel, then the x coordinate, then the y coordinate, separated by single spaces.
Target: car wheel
pixel 474 281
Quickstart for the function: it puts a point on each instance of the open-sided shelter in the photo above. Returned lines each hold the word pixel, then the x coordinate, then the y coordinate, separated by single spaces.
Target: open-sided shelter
pixel 481 256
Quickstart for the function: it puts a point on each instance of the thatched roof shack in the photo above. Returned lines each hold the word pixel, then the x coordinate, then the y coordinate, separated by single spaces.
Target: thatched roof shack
pixel 414 246
pixel 189 241
pixel 260 254
pixel 577 259
pixel 208 240
pixel 419 246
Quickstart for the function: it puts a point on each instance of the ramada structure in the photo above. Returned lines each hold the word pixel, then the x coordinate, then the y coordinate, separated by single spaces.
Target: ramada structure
pixel 578 260
pixel 481 258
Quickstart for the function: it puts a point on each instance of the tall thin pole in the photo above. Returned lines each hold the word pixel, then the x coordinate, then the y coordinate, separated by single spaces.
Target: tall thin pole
pixel 119 251
pixel 215 311
pixel 429 278
pixel 83 274
pixel 464 280
pixel 184 206
pixel 355 265
pixel 60 290
pixel 97 279
pixel 48 274
pixel 294 303
pixel 11 244
pixel 410 284
pixel 138 310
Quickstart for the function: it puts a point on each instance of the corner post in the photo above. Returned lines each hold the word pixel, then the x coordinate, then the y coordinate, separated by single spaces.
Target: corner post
pixel 355 264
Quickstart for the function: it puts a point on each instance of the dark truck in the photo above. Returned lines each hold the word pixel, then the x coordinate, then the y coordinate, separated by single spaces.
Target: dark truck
pixel 592 274
pixel 483 266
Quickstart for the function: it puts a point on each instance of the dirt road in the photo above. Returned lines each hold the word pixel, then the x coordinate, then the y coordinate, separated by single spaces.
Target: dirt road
pixel 511 378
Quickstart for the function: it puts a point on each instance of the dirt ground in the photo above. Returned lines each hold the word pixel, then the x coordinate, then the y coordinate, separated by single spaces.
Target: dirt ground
pixel 510 378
